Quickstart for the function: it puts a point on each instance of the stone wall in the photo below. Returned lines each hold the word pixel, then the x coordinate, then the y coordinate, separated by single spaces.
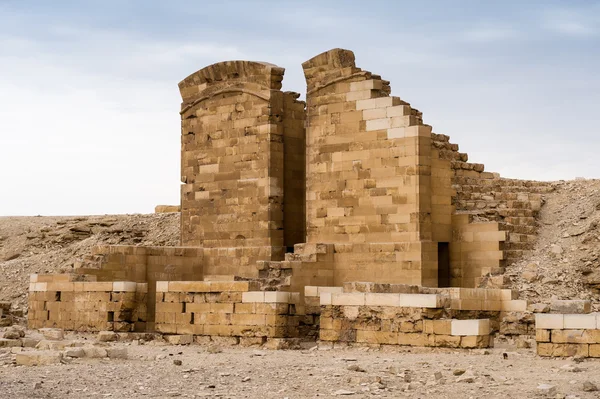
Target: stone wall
pixel 381 187
pixel 488 197
pixel 576 333
pixel 397 319
pixel 368 174
pixel 58 302
pixel 144 265
pixel 225 309
pixel 235 120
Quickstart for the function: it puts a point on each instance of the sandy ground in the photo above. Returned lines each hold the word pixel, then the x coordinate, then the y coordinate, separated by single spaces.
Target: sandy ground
pixel 312 372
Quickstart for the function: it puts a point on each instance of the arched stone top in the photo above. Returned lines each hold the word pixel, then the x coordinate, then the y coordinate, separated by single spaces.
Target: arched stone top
pixel 246 76
pixel 329 67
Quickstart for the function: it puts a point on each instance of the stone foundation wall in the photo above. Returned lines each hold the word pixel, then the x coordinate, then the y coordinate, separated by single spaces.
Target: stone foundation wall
pixel 225 309
pixel 397 319
pixel 568 334
pixel 144 265
pixel 58 302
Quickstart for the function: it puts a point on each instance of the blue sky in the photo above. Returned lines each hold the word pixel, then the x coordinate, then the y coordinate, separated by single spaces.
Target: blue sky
pixel 89 102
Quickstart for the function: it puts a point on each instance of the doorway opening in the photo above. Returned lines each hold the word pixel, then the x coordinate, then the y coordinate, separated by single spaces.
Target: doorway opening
pixel 443 264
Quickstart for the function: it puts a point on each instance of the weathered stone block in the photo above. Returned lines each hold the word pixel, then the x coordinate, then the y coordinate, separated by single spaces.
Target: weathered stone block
pixel 572 306
pixel 38 358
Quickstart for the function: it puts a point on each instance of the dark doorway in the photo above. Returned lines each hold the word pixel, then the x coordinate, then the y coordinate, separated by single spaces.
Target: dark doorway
pixel 443 264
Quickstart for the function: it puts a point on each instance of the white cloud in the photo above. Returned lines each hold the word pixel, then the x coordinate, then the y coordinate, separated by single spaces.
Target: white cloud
pixel 573 22
pixel 486 34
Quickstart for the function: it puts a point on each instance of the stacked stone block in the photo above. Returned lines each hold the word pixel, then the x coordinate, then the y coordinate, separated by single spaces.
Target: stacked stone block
pixel 397 319
pixel 514 203
pixel 225 309
pixel 368 174
pixel 568 334
pixel 144 265
pixel 235 121
pixel 58 302
pixel 477 250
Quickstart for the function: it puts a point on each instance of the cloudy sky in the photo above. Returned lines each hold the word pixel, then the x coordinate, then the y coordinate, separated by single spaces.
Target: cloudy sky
pixel 89 103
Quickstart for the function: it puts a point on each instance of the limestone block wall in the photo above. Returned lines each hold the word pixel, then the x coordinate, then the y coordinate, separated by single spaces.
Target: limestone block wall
pixel 476 249
pixel 235 121
pixel 397 319
pixel 144 265
pixel 576 333
pixel 58 302
pixel 512 202
pixel 225 309
pixel 368 175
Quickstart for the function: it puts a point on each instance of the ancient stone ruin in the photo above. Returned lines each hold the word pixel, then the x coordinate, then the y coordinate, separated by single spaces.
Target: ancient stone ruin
pixel 343 218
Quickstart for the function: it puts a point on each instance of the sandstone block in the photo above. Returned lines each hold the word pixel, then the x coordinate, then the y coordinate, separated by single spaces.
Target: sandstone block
pixel 542 335
pixel 52 345
pixel 107 336
pixel 325 298
pixel 475 341
pixel 29 342
pixel 124 286
pixel 277 297
pixel 470 327
pixel 516 305
pixel 94 352
pixel 179 339
pixel 351 299
pixel 253 296
pixel 572 306
pixel 420 300
pixel 575 336
pixel 447 341
pixel 438 327
pixel 38 358
pixel 162 286
pixel 382 299
pixel 549 321
pixel 594 350
pixel 74 352
pixel 579 321
pixel 116 353
pixel 9 343
pixel 53 334
pixel 562 350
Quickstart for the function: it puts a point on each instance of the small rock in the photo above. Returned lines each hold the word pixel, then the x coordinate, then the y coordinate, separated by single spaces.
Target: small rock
pixel 116 353
pixel 37 385
pixel 589 387
pixel 74 352
pixel 355 367
pixel 571 368
pixel 437 375
pixel 179 339
pixel 245 379
pixel 94 352
pixel 466 377
pixel 177 362
pixel 459 371
pixel 53 334
pixel 344 392
pixel 214 349
pixel 555 249
pixel 11 334
pixel 107 336
pixel 547 389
